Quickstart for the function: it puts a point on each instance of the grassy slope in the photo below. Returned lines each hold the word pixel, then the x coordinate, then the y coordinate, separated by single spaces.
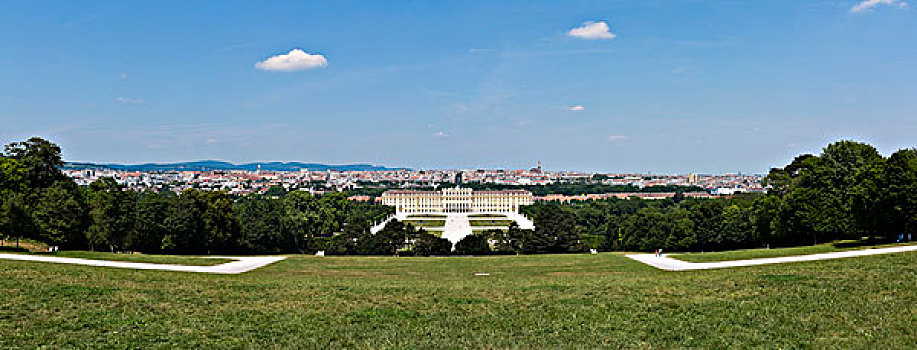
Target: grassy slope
pixel 140 258
pixel 769 253
pixel 144 258
pixel 528 301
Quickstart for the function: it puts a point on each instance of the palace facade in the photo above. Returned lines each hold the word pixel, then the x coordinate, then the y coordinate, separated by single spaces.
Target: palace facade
pixel 457 200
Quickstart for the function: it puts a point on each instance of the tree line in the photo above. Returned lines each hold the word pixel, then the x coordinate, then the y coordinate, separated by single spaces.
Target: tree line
pixel 38 201
pixel 848 192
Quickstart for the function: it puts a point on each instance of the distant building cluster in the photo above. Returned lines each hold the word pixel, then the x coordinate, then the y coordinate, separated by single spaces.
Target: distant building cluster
pixel 247 182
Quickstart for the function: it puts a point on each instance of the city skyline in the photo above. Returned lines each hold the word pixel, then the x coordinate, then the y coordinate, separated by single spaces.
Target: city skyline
pixel 668 87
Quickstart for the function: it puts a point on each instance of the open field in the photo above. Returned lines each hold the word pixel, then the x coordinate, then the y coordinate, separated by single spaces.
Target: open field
pixel 771 253
pixel 527 301
pixel 490 222
pixel 426 223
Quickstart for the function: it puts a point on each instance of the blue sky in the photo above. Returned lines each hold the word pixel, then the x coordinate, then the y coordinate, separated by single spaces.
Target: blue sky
pixel 668 86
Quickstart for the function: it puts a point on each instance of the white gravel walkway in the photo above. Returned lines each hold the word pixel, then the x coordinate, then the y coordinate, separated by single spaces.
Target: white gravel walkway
pixel 242 264
pixel 671 264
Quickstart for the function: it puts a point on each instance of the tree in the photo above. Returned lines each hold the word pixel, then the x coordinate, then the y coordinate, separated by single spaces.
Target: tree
pixel 112 215
pixel 707 217
pixel 426 244
pixel 737 229
pixel 40 159
pixel 184 226
pixel 868 199
pixel 900 204
pixel 221 230
pixel 651 228
pixel 262 226
pixel 302 217
pixel 765 211
pixel 349 241
pixel 509 241
pixel 61 215
pixel 151 218
pixel 555 231
pixel 474 244
pixel 14 218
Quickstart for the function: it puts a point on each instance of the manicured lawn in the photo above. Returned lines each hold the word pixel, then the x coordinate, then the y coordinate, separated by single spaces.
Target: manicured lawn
pixel 550 301
pixel 490 222
pixel 493 216
pixel 426 223
pixel 477 232
pixel 439 216
pixel 770 253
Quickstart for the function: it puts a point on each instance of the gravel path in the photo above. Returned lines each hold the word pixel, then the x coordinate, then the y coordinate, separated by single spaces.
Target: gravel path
pixel 242 264
pixel 666 263
pixel 457 227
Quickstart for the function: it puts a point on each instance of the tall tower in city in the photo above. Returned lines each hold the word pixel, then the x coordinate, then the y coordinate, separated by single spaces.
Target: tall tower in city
pixel 539 165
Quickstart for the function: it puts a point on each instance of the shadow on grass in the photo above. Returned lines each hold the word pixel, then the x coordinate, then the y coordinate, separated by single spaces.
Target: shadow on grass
pixel 861 243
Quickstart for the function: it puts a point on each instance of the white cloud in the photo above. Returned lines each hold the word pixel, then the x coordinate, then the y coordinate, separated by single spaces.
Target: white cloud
pixel 441 134
pixel 592 30
pixel 212 141
pixel 618 138
pixel 867 5
pixel 130 100
pixel 294 60
pixel 123 76
pixel 577 108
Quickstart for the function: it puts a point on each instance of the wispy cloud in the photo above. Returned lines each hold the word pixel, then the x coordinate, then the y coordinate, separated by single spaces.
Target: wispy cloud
pixel 592 31
pixel 867 5
pixel 441 134
pixel 294 60
pixel 534 54
pixel 704 43
pixel 577 108
pixel 618 138
pixel 130 100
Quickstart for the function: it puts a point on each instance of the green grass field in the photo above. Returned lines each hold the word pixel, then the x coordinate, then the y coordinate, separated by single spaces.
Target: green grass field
pixel 557 301
pixel 490 222
pixel 426 223
pixel 771 253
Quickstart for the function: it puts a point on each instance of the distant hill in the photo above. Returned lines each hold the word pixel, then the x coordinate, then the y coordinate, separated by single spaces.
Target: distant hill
pixel 211 165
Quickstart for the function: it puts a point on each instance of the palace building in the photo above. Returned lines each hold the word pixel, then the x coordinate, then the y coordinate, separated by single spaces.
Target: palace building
pixel 457 200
